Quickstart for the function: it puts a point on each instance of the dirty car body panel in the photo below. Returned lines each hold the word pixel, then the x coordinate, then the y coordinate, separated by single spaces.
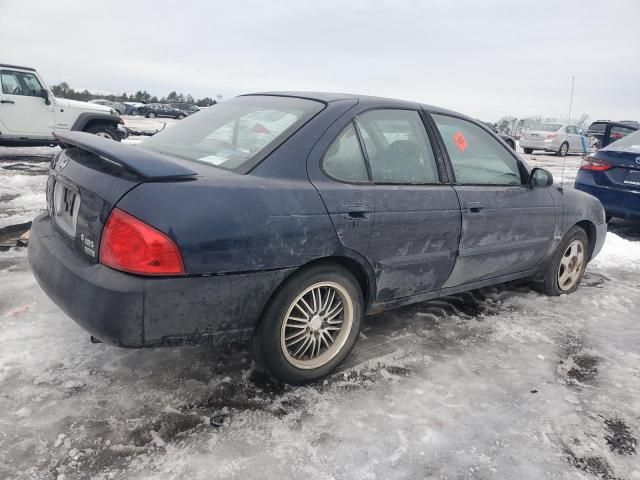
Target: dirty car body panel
pixel 251 203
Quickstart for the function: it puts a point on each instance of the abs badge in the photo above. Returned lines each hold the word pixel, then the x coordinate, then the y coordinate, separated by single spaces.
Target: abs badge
pixel 460 141
pixel 89 245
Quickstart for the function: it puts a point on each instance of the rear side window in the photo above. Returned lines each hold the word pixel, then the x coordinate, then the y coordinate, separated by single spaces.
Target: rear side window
pixel 619 132
pixel 235 134
pixel 477 158
pixel 397 147
pixel 548 127
pixel 344 160
pixel 20 83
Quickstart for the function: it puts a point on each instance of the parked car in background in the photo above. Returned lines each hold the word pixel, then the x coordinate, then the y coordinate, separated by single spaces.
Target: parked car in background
pixel 131 107
pixel 153 110
pixel 612 175
pixel 30 114
pixel 117 106
pixel 606 132
pixel 186 108
pixel 253 220
pixel 558 138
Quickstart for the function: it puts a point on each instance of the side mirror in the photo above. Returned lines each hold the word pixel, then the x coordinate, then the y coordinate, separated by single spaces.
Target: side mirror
pixel 44 93
pixel 539 177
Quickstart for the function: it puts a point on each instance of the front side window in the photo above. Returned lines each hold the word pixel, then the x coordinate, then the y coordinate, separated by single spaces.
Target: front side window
pixel 344 160
pixel 20 83
pixel 477 158
pixel 237 133
pixel 397 147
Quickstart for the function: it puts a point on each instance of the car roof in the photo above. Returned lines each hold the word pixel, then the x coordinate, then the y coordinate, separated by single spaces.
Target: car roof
pixel 328 97
pixel 17 66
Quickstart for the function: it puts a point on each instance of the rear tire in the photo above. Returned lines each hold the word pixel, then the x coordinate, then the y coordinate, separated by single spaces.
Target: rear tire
pixel 105 131
pixel 310 325
pixel 528 151
pixel 180 117
pixel 563 150
pixel 511 144
pixel 151 115
pixel 565 269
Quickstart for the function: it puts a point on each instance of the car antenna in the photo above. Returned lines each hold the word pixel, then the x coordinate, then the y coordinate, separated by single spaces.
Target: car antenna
pixel 564 159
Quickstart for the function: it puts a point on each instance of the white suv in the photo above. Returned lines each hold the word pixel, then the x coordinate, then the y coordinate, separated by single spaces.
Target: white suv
pixel 30 115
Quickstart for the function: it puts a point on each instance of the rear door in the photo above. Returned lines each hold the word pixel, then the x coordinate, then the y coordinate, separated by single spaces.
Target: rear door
pixel 506 226
pixel 391 205
pixel 23 112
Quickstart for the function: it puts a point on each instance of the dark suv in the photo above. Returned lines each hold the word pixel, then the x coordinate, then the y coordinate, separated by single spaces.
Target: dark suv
pixel 606 132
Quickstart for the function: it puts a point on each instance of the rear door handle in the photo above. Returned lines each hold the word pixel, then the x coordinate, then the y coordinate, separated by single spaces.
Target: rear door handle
pixel 358 211
pixel 474 207
pixel 7 101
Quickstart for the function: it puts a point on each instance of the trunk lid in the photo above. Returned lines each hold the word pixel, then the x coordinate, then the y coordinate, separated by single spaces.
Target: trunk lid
pixel 624 172
pixel 90 176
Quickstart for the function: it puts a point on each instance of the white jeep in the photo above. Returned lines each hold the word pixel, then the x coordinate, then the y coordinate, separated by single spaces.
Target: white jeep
pixel 30 114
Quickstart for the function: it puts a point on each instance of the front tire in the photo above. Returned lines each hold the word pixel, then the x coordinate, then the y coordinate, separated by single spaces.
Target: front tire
pixel 151 115
pixel 310 325
pixel 564 271
pixel 105 131
pixel 563 150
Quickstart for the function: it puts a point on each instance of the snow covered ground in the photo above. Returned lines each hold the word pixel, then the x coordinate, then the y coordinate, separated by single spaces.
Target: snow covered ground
pixel 500 383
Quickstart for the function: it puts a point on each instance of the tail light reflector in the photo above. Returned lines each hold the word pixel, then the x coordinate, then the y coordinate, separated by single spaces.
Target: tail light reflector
pixel 551 136
pixel 132 246
pixel 595 165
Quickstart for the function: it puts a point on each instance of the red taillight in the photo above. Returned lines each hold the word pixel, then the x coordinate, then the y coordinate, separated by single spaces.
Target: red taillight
pixel 130 245
pixel 595 165
pixel 551 136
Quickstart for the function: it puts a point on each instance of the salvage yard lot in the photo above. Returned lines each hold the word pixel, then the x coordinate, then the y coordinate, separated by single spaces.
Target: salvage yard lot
pixel 497 383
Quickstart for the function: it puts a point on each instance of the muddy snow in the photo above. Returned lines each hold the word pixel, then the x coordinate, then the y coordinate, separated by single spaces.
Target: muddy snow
pixel 499 383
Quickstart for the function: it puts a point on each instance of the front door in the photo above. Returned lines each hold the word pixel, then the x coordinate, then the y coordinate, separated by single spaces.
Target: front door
pixel 507 227
pixel 23 112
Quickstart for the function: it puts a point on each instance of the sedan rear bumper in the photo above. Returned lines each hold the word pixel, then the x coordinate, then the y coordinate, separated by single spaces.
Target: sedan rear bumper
pixel 539 145
pixel 620 203
pixel 132 311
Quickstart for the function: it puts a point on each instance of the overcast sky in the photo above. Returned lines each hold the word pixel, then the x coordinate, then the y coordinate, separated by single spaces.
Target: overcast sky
pixel 484 58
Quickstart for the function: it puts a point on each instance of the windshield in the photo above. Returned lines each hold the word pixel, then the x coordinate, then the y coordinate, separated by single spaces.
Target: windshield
pixel 548 127
pixel 236 134
pixel 630 143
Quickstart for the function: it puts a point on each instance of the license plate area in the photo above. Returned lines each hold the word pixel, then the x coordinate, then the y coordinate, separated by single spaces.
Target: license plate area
pixel 633 178
pixel 66 205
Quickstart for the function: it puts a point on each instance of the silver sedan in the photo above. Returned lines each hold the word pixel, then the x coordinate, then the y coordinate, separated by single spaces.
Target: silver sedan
pixel 555 137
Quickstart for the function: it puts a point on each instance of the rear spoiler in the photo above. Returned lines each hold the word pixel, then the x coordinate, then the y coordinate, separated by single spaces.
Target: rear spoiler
pixel 146 163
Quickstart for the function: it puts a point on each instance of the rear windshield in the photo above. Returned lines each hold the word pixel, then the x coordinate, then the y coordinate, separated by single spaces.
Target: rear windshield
pixel 597 127
pixel 236 134
pixel 630 143
pixel 548 127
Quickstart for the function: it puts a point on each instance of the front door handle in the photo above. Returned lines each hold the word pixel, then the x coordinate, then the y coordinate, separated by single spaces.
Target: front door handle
pixel 7 101
pixel 358 211
pixel 474 207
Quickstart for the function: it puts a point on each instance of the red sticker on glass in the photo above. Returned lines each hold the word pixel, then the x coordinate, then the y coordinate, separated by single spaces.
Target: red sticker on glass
pixel 460 141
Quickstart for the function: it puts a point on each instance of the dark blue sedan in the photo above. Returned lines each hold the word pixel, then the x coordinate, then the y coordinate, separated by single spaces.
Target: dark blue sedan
pixel 612 175
pixel 284 218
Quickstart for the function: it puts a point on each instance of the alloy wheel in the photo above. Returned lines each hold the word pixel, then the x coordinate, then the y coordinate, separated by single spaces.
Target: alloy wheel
pixel 571 263
pixel 316 325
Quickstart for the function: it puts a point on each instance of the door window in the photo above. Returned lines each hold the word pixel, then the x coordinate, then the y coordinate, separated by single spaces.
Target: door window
pixel 619 132
pixel 344 160
pixel 20 83
pixel 476 156
pixel 397 147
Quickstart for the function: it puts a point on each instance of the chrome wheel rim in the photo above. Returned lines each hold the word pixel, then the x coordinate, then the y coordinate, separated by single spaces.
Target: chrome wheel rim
pixel 571 265
pixel 316 325
pixel 563 149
